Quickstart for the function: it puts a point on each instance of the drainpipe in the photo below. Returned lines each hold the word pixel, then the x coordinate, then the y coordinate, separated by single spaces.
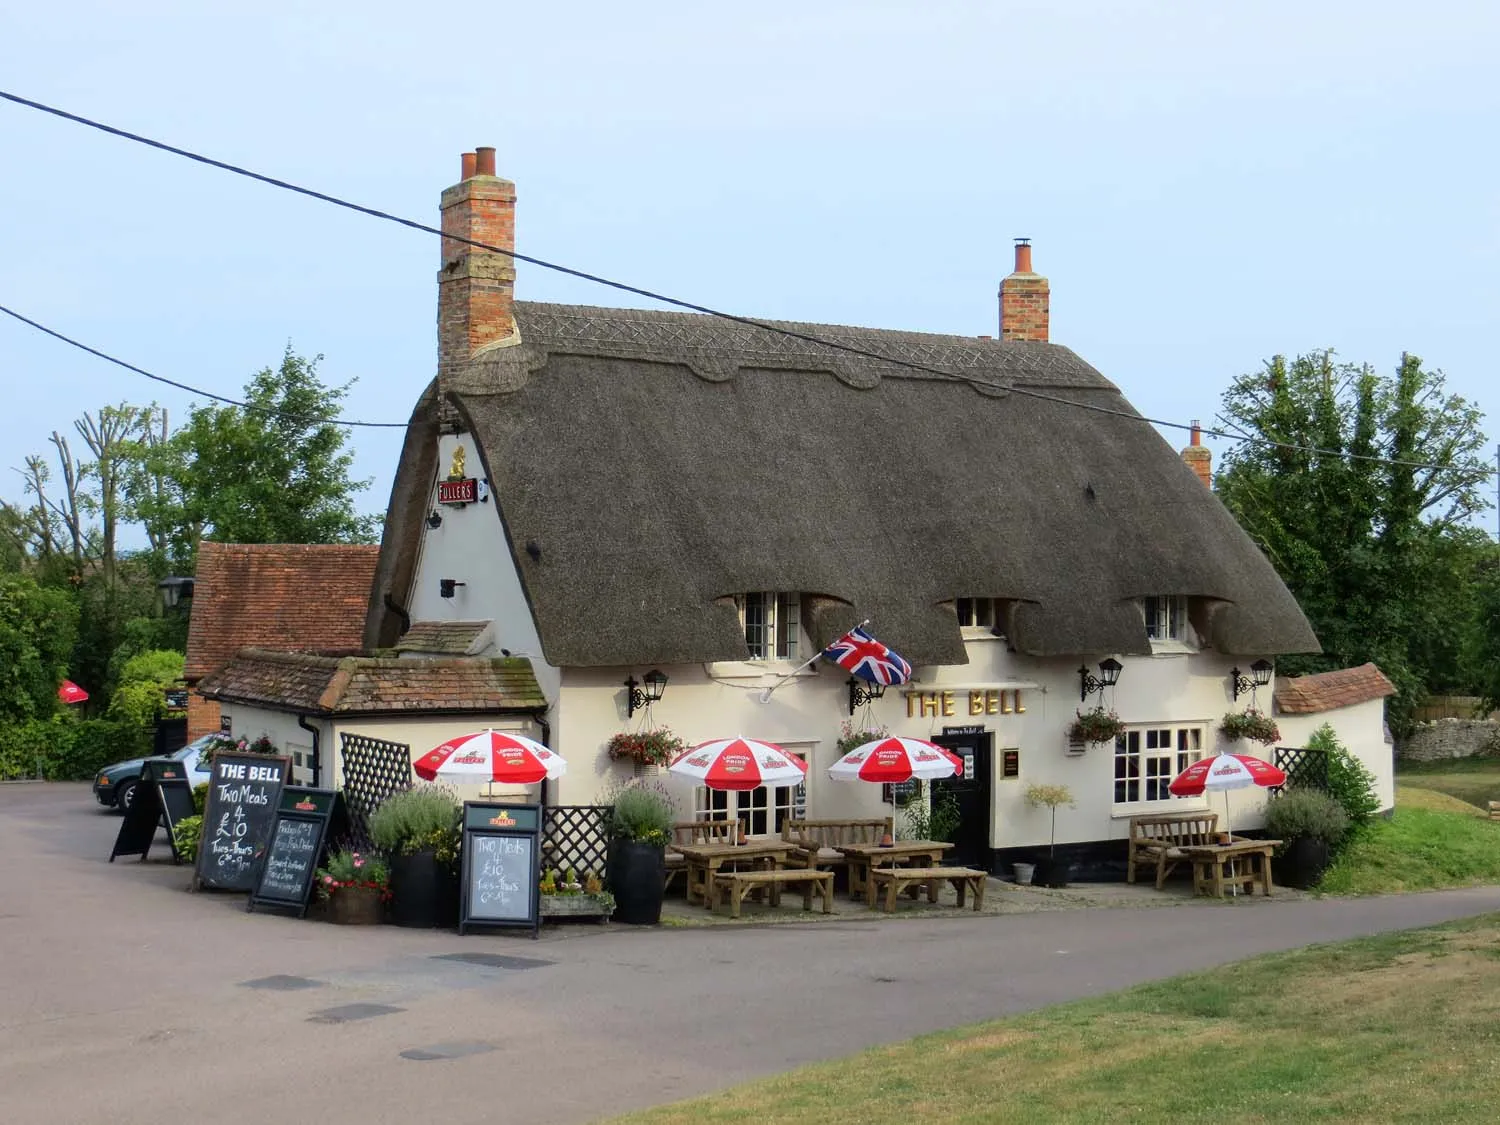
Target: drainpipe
pixel 317 754
pixel 390 604
pixel 539 717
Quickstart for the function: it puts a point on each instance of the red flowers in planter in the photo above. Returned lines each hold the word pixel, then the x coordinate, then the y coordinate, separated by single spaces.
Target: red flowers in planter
pixel 648 747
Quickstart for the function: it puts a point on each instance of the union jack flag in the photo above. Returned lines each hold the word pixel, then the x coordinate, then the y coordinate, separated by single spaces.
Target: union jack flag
pixel 862 655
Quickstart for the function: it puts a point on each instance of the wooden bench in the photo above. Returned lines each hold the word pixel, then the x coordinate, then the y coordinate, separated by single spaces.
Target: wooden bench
pixel 1495 810
pixel 698 832
pixel 892 880
pixel 817 840
pixel 1160 838
pixel 737 884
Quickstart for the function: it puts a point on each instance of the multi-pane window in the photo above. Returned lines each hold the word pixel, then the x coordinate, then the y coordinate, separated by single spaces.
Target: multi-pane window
pixel 977 613
pixel 1166 617
pixel 1147 758
pixel 763 809
pixel 771 624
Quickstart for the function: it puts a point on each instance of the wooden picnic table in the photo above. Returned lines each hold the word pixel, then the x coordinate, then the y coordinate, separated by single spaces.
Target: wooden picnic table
pixel 705 860
pixel 1210 862
pixel 902 853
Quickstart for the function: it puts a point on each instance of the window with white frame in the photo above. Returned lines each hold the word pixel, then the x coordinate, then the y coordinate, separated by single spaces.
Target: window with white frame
pixel 1147 758
pixel 763 809
pixel 1166 617
pixel 772 624
pixel 979 613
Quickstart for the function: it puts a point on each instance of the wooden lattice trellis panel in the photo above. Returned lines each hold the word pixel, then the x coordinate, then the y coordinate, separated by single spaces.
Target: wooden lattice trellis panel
pixel 1304 768
pixel 373 769
pixel 576 836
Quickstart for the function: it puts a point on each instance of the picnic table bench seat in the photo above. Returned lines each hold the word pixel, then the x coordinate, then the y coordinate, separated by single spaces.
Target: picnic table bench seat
pixel 1159 840
pixel 736 885
pixel 697 832
pixel 817 841
pixel 892 880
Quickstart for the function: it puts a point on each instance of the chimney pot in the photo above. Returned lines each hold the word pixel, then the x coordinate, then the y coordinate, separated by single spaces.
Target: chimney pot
pixel 986 337
pixel 484 161
pixel 466 172
pixel 1197 438
pixel 1198 457
pixel 1023 255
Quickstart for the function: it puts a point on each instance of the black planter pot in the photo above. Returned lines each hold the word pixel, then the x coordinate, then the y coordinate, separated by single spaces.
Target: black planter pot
pixel 637 875
pixel 1052 872
pixel 424 892
pixel 1303 863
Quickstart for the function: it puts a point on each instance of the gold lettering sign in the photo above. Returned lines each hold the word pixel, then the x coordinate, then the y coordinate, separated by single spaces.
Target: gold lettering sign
pixel 981 701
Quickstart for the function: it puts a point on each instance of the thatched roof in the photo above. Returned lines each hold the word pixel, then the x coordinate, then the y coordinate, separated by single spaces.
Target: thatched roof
pixel 648 465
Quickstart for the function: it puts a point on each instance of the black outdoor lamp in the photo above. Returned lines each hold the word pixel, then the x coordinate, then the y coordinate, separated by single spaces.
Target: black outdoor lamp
pixel 174 589
pixel 447 587
pixel 435 520
pixel 1109 676
pixel 862 691
pixel 637 696
pixel 1260 676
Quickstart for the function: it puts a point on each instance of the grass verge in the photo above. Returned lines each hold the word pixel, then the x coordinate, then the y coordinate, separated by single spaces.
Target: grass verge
pixel 1400 1027
pixel 1417 849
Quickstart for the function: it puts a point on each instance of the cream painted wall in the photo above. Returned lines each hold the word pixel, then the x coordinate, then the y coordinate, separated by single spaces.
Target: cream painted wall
pixel 470 547
pixel 703 702
pixel 282 729
pixel 1362 729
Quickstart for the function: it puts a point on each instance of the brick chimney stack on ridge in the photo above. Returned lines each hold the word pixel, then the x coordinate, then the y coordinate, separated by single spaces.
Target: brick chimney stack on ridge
pixel 1198 457
pixel 1025 300
pixel 476 288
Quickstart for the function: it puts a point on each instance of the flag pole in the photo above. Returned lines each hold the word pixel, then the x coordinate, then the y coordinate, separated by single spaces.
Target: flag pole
pixel 765 695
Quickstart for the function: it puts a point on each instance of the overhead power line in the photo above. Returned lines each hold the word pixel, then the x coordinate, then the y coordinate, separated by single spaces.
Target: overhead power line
pixel 184 386
pixel 750 322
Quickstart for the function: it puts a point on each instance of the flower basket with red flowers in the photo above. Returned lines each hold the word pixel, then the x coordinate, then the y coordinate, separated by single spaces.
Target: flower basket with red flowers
pixel 355 886
pixel 1250 723
pixel 648 747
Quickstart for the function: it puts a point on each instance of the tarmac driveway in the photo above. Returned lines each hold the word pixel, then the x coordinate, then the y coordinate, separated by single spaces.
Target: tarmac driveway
pixel 124 999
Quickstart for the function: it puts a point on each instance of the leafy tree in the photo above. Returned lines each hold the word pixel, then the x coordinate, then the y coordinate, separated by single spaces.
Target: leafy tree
pixel 144 678
pixel 1378 554
pixel 1350 783
pixel 273 472
pixel 36 637
pixel 1487 632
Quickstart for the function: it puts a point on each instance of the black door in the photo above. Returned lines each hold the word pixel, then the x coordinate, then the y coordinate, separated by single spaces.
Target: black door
pixel 971 794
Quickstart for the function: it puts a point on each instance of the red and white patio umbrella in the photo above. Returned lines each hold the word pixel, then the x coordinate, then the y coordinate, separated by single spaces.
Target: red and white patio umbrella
pixel 739 763
pixel 490 755
pixel 1225 772
pixel 897 759
pixel 69 692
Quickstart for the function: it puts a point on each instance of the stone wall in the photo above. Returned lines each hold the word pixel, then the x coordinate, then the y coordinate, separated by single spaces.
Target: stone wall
pixel 1450 738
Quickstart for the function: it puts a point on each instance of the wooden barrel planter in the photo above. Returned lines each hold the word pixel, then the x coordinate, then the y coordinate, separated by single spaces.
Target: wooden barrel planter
pixel 355 906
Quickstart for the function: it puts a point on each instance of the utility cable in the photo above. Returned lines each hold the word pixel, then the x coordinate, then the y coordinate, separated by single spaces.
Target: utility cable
pixel 749 322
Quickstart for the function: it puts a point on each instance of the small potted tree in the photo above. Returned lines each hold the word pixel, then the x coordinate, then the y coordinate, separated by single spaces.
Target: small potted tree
pixel 640 826
pixel 1051 872
pixel 418 831
pixel 1310 824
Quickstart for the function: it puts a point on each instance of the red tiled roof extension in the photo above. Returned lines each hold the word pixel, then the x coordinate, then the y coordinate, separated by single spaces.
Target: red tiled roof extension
pixel 365 685
pixel 1327 691
pixel 294 597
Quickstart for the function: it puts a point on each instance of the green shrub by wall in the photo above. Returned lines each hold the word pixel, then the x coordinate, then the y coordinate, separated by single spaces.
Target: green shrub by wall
pixel 66 749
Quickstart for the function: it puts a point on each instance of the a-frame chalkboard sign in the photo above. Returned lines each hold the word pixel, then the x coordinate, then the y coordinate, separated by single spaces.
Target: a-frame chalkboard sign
pixel 501 866
pixel 162 798
pixel 243 795
pixel 306 821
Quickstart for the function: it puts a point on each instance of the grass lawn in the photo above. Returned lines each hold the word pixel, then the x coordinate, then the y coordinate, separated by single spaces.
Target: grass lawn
pixel 1401 1027
pixel 1475 780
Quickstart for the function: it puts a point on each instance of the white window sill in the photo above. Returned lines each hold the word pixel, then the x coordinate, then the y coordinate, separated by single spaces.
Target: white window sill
pixel 753 669
pixel 1172 648
pixel 1166 808
pixel 980 633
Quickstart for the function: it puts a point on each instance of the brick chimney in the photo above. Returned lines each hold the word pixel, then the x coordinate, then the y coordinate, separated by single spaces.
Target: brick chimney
pixel 1025 299
pixel 476 288
pixel 1198 458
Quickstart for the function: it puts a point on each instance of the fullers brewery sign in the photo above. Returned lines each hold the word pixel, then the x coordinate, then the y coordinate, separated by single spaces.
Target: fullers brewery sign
pixel 242 799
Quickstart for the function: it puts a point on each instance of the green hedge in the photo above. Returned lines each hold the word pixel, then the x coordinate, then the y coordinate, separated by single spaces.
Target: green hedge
pixel 68 749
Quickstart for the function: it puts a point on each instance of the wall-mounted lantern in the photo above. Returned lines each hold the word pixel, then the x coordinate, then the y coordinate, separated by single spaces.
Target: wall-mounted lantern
pixel 862 691
pixel 1259 677
pixel 1109 676
pixel 638 696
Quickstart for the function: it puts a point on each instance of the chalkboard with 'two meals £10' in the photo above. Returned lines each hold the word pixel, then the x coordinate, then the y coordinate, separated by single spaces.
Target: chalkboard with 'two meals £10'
pixel 500 881
pixel 242 797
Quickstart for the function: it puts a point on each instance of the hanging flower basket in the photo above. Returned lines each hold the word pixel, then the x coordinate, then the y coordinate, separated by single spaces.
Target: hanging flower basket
pixel 851 737
pixel 1251 724
pixel 1097 725
pixel 648 747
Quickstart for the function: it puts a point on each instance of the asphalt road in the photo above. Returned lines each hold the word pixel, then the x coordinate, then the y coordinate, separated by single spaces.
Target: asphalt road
pixel 123 998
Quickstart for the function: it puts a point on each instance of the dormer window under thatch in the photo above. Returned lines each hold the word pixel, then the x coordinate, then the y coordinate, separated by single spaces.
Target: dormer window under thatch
pixel 773 624
pixel 1166 617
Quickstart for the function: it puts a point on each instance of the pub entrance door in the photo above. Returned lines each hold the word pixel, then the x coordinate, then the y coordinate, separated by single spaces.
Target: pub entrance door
pixel 971 840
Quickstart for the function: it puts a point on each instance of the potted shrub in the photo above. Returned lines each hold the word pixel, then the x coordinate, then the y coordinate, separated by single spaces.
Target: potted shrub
pixel 1310 825
pixel 1051 872
pixel 640 825
pixel 645 747
pixel 417 829
pixel 355 886
pixel 1250 723
pixel 1097 725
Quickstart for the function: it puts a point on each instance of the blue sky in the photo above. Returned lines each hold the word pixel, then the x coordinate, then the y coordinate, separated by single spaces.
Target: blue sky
pixel 1205 185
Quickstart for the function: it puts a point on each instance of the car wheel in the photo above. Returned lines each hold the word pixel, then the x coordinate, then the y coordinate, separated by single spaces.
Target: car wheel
pixel 125 796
